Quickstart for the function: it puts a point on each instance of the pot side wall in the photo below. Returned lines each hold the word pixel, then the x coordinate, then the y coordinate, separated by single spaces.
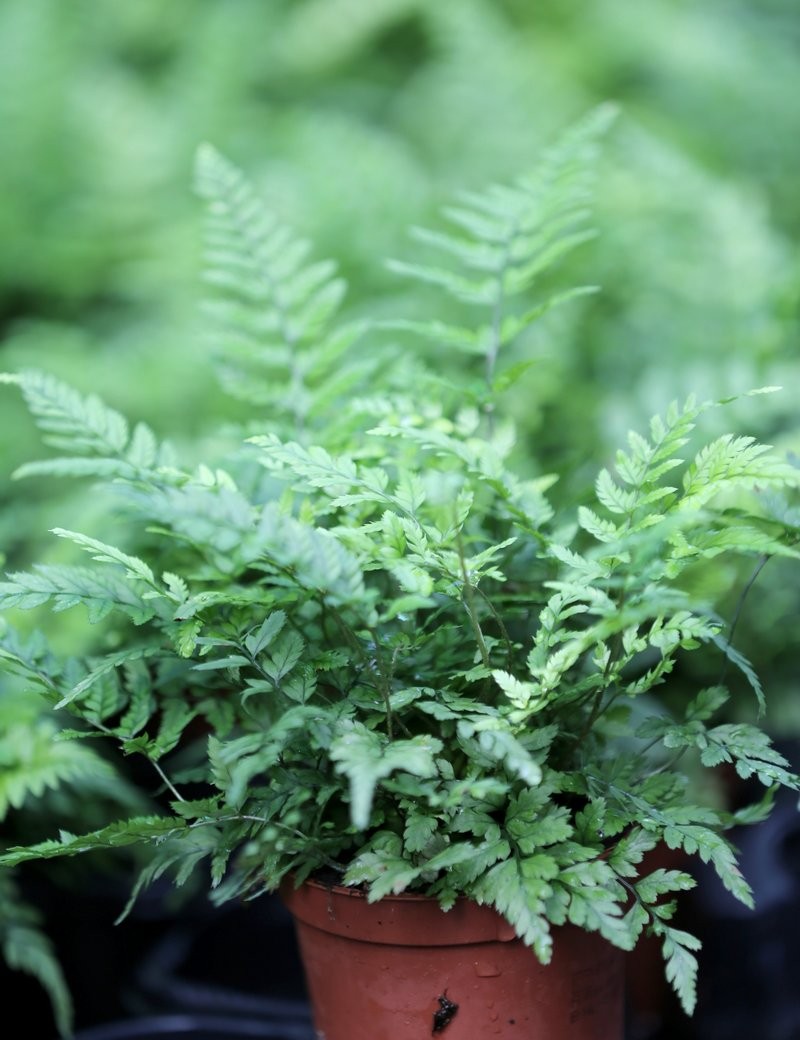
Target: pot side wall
pixel 378 971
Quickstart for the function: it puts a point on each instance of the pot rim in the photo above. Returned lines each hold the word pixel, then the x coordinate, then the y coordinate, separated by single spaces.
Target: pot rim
pixel 402 919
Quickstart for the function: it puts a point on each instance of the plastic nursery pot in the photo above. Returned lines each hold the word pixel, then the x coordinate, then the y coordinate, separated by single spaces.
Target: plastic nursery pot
pixel 402 969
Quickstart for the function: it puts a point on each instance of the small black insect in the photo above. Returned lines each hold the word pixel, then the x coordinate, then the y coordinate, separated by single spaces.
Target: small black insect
pixel 445 1015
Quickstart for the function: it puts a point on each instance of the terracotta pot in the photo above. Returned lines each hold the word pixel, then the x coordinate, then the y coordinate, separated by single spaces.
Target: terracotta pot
pixel 402 969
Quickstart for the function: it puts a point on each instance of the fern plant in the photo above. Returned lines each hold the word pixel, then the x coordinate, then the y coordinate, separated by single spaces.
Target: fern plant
pixel 390 660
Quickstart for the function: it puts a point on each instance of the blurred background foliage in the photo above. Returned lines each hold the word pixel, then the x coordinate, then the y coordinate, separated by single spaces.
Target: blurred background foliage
pixel 356 119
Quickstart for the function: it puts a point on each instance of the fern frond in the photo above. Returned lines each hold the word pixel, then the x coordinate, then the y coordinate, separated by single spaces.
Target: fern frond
pixel 733 535
pixel 30 660
pixel 730 461
pixel 650 513
pixel 752 753
pixel 136 831
pixel 642 468
pixel 209 514
pixel 507 238
pixel 319 562
pixel 178 858
pixel 96 439
pixel 740 661
pixel 680 962
pixel 365 759
pixel 503 747
pixel 519 895
pixel 65 587
pixel 32 761
pixel 135 569
pixel 107 664
pixel 273 309
pixel 344 482
pixel 481 459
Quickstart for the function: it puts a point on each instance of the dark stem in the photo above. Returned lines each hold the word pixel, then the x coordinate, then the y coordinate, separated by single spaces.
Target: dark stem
pixel 469 603
pixel 497 323
pixel 384 683
pixel 762 562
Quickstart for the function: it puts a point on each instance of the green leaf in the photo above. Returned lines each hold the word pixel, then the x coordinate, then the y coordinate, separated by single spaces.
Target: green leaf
pixel 318 561
pixel 737 658
pixel 382 866
pixel 514 234
pixel 437 332
pixel 595 902
pixel 32 761
pixel 222 663
pixel 627 853
pixel 418 831
pixel 662 881
pixel 107 664
pixel 365 759
pixel 681 964
pixel 66 587
pixel 731 461
pixel 751 751
pixel 134 567
pixel 269 629
pixel 502 746
pixel 71 421
pixel 520 898
pixel 712 848
pixel 534 822
pixel 95 436
pixel 136 831
pixel 707 703
pixel 283 656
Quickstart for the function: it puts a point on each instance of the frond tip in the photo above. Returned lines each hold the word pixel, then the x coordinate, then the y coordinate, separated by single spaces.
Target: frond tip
pixel 505 238
pixel 96 440
pixel 272 307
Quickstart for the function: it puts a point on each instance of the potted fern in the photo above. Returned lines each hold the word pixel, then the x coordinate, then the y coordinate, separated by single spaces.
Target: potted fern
pixel 373 666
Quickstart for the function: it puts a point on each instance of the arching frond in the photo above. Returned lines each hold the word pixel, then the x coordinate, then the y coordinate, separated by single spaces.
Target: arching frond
pixel 94 439
pixel 272 307
pixel 504 239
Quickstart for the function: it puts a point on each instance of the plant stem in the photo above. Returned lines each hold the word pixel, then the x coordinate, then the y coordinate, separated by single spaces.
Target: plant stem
pixel 496 327
pixel 384 683
pixel 500 624
pixel 174 790
pixel 762 562
pixel 469 603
